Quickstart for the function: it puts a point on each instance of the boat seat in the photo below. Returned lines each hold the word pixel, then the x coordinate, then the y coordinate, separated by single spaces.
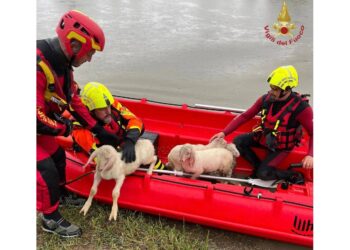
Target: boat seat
pixel 153 137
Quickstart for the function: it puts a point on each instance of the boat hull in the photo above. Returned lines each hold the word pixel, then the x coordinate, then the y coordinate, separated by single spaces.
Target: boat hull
pixel 284 215
pixel 280 214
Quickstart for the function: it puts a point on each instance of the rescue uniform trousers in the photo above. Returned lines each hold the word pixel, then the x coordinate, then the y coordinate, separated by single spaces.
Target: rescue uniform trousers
pixel 264 169
pixel 51 166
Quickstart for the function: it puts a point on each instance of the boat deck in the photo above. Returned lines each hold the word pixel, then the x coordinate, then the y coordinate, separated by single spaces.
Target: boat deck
pixel 183 124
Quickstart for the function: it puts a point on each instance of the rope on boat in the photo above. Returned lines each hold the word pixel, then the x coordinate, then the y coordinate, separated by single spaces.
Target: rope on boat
pixel 79 177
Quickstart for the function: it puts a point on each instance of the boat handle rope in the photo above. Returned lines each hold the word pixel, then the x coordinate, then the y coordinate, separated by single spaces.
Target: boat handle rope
pixel 79 177
pixel 248 190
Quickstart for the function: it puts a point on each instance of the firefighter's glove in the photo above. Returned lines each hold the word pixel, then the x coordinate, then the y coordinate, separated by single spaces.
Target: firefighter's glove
pixel 105 137
pixel 128 154
pixel 68 124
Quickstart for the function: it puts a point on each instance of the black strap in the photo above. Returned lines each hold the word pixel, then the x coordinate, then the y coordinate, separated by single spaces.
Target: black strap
pixel 38 59
pixel 67 86
pixel 264 110
pixel 248 190
pixel 266 103
pixel 79 177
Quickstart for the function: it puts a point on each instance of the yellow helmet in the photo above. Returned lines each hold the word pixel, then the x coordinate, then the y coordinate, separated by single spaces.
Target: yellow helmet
pixel 95 95
pixel 283 77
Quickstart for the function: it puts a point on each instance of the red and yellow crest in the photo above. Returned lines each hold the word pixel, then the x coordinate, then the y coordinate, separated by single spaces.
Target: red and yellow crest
pixel 283 29
pixel 284 26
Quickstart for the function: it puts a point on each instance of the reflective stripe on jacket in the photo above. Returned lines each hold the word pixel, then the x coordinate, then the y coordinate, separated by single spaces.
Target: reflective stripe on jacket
pixel 56 90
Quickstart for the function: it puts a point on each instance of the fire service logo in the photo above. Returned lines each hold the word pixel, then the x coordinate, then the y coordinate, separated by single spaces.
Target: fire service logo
pixel 283 31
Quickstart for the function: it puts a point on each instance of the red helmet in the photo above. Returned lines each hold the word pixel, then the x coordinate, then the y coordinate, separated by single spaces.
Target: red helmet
pixel 76 25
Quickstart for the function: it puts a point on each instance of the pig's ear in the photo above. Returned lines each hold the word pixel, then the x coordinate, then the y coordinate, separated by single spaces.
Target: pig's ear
pixel 183 153
pixel 192 156
pixel 234 150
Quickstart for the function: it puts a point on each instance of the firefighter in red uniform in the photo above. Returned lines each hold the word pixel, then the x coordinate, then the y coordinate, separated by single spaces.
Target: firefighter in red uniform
pixel 113 116
pixel 78 37
pixel 284 113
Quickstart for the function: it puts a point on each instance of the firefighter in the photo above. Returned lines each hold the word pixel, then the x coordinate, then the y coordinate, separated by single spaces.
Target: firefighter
pixel 283 114
pixel 78 38
pixel 113 116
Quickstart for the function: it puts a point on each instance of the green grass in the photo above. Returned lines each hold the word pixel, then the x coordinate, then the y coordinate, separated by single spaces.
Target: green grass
pixel 132 230
pixel 139 231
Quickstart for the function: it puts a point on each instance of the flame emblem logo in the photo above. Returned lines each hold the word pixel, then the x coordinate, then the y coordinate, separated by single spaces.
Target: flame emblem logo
pixel 284 26
pixel 283 29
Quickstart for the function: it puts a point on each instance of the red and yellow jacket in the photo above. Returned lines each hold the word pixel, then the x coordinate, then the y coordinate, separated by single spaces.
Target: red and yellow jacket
pixel 281 123
pixel 300 113
pixel 124 124
pixel 56 90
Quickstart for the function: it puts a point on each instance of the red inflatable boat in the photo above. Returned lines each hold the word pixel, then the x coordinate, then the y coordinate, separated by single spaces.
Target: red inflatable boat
pixel 282 212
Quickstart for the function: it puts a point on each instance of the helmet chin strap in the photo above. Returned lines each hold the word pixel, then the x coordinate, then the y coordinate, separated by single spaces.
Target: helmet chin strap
pixel 71 61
